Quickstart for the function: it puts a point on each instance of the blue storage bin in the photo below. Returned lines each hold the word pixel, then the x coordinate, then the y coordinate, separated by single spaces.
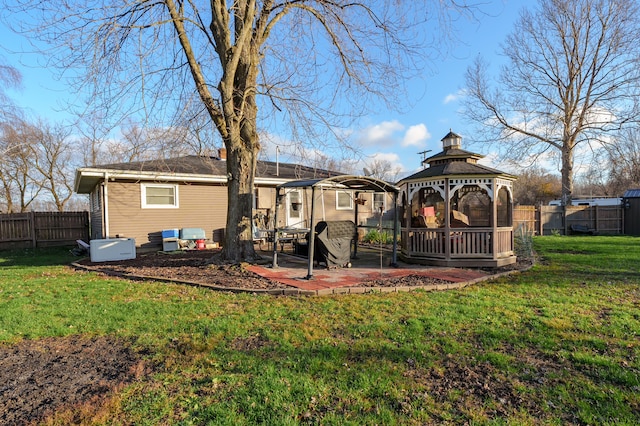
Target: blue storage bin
pixel 170 233
pixel 192 234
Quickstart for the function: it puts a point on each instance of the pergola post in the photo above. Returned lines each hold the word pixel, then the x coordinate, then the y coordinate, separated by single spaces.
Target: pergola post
pixel 312 235
pixel 394 258
pixel 355 221
pixel 275 230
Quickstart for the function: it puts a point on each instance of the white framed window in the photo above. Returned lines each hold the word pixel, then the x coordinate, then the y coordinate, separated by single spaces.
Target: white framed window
pixel 344 200
pixel 379 200
pixel 159 196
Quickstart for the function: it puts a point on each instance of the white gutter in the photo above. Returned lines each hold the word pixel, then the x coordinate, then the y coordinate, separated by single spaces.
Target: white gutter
pixel 169 177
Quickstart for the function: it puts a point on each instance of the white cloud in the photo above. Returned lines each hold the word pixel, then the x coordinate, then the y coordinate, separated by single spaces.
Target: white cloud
pixel 381 134
pixel 416 135
pixel 452 97
pixel 391 157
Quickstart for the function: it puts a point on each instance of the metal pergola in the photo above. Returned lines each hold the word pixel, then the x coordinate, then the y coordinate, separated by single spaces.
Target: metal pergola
pixel 357 184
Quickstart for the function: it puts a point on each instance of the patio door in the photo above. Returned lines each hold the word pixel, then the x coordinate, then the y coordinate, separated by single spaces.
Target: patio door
pixel 295 209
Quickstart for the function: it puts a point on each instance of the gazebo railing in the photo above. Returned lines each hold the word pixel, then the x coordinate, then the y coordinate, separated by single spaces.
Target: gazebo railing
pixel 464 242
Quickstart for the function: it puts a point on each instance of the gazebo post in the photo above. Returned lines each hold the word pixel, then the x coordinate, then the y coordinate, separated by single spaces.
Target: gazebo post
pixel 447 220
pixel 312 235
pixel 494 220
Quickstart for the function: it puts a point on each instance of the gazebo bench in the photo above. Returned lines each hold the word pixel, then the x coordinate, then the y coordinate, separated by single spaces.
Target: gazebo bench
pixel 582 229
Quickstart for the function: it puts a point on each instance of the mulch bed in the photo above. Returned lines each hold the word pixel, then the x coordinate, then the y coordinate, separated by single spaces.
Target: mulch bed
pixel 203 267
pixel 199 267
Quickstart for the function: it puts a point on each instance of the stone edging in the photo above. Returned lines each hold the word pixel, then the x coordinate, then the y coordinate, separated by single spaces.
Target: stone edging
pixel 292 291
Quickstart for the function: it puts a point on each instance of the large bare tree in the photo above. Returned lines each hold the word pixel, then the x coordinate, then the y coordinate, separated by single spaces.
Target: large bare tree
pixel 10 77
pixel 311 61
pixel 624 163
pixel 572 79
pixel 20 182
pixel 52 162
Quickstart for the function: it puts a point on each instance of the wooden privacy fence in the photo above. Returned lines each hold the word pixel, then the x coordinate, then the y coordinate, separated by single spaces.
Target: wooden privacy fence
pixel 545 220
pixel 43 229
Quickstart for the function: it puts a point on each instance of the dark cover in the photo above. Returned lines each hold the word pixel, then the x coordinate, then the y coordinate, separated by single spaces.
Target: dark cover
pixel 333 242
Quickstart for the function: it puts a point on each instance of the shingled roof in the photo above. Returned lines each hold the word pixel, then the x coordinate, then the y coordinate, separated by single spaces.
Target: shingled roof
pixel 193 167
pixel 454 168
pixel 204 165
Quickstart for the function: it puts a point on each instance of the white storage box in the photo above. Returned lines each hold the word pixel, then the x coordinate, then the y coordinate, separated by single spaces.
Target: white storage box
pixel 104 250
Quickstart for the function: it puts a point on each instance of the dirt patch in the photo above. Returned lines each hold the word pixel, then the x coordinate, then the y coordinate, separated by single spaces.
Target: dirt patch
pixel 413 280
pixel 37 377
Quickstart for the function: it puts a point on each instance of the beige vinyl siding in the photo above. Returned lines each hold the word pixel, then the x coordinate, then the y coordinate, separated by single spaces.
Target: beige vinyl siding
pixel 266 198
pixel 95 210
pixel 200 206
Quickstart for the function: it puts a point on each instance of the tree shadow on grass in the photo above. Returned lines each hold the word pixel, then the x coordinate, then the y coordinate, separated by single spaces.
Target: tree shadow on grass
pixel 37 257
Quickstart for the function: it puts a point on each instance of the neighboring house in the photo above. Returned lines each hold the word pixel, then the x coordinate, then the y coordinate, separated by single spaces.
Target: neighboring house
pixel 140 199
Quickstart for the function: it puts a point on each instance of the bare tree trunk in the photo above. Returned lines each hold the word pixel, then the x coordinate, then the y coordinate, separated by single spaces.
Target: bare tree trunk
pixel 241 166
pixel 567 174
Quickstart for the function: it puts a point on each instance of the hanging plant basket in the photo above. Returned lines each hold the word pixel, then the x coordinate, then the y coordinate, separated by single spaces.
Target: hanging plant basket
pixel 296 206
pixel 361 201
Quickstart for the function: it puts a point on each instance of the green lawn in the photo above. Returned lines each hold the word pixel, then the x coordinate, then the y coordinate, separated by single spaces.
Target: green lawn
pixel 558 344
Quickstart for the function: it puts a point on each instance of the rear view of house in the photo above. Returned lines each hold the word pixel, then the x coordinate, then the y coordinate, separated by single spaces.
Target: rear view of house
pixel 141 199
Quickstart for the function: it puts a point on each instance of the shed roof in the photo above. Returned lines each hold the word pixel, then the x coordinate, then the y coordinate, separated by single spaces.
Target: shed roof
pixel 631 193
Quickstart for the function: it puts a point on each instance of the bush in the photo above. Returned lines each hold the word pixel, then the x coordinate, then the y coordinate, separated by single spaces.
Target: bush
pixel 378 237
pixel 523 242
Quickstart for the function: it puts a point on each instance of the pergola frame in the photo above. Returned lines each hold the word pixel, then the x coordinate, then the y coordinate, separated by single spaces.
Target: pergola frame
pixel 357 184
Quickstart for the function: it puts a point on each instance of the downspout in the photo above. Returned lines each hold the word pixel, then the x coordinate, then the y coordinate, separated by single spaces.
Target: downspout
pixel 105 228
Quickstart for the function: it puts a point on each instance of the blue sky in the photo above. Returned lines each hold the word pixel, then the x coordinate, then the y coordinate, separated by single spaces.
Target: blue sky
pixel 394 136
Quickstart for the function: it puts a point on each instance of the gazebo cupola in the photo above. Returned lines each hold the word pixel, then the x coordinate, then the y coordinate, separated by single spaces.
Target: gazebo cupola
pixel 451 141
pixel 457 211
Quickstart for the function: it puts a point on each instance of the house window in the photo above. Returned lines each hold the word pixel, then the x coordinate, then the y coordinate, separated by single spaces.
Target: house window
pixel 379 200
pixel 344 200
pixel 158 196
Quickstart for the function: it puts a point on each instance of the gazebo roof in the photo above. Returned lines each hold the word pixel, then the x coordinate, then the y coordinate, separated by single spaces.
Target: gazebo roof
pixel 456 168
pixel 453 153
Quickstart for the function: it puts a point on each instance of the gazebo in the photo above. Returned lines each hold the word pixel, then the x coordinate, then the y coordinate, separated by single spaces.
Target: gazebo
pixel 456 212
